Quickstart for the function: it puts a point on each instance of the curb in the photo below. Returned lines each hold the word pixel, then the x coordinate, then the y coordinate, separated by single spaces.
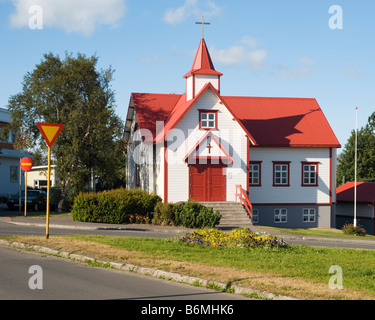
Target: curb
pixel 153 272
pixel 58 226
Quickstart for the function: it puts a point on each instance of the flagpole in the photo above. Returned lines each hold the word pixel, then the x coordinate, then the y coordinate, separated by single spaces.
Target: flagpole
pixel 355 170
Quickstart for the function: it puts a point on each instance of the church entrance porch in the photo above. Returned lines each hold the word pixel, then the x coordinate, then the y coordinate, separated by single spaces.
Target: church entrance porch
pixel 207 182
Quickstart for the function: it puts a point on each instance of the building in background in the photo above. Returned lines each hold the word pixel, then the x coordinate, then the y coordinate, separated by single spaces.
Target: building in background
pixel 37 177
pixel 365 205
pixel 10 173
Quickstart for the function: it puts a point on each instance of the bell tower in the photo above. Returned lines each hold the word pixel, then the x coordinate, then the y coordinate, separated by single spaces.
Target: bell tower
pixel 202 71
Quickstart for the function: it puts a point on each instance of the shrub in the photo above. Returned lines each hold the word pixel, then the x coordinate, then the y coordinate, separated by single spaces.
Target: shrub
pixel 194 215
pixel 165 214
pixel 190 214
pixel 349 228
pixel 115 206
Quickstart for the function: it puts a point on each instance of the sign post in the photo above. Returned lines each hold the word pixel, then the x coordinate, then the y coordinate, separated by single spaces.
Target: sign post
pixel 50 132
pixel 26 165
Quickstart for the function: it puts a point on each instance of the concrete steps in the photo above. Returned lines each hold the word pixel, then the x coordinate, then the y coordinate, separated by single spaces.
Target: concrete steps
pixel 233 214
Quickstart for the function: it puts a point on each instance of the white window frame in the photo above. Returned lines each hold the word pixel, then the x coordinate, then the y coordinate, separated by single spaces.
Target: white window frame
pixel 309 174
pixel 254 174
pixel 282 214
pixel 281 170
pixel 208 120
pixel 308 213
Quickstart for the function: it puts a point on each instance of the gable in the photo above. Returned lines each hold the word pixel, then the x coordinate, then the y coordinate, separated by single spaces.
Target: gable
pixel 208 147
pixel 183 108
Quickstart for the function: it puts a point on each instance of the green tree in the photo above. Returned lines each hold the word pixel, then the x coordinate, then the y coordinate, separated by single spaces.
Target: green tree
pixel 365 155
pixel 73 92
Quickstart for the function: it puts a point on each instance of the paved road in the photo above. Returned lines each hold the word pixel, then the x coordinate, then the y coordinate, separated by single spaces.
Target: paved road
pixel 64 279
pixel 65 226
pixel 10 229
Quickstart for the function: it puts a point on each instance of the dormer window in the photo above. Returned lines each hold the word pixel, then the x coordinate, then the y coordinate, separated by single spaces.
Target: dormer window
pixel 207 119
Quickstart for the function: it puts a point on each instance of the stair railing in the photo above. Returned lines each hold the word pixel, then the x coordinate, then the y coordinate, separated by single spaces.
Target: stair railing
pixel 244 200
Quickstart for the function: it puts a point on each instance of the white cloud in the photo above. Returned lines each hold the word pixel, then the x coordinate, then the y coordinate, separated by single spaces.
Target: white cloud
pixel 247 53
pixel 189 9
pixel 352 71
pixel 305 67
pixel 82 16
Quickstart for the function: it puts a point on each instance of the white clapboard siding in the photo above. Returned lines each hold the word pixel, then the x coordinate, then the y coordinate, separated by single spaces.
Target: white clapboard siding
pixel 189 88
pixel 202 80
pixel 187 134
pixel 334 171
pixel 159 172
pixel 295 193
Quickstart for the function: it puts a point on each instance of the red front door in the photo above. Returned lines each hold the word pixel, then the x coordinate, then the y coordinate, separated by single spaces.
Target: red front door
pixel 207 182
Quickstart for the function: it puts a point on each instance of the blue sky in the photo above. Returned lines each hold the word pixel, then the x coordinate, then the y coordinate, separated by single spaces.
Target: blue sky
pixel 264 48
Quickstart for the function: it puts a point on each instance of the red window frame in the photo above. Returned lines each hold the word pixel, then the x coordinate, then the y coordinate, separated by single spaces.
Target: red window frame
pixel 209 111
pixel 316 165
pixel 259 163
pixel 281 163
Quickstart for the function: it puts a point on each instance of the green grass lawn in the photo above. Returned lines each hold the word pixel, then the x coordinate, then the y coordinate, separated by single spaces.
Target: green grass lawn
pixel 300 262
pixel 298 271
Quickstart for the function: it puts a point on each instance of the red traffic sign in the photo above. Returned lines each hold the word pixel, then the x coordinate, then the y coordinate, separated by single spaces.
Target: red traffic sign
pixel 26 164
pixel 50 131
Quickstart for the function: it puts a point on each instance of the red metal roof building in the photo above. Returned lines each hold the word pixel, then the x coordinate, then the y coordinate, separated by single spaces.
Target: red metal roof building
pixel 365 192
pixel 365 205
pixel 270 127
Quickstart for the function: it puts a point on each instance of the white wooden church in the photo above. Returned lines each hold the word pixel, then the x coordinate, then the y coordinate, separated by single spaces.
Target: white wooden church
pixel 206 146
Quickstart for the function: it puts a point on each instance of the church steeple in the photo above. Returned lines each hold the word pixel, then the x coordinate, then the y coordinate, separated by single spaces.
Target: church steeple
pixel 202 72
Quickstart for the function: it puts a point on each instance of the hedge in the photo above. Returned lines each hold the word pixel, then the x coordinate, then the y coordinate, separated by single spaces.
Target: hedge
pixel 136 206
pixel 115 206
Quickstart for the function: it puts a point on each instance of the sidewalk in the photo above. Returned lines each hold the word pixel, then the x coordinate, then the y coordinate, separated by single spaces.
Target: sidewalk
pixel 66 222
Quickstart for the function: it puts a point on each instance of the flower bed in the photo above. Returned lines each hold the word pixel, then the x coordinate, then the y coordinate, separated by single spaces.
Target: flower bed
pixel 139 219
pixel 243 238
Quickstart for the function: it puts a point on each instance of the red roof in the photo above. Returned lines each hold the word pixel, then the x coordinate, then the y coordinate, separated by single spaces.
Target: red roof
pixel 152 107
pixel 292 122
pixel 269 122
pixel 202 62
pixel 365 192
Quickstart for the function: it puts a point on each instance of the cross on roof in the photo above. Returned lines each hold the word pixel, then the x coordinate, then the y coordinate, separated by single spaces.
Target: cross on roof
pixel 203 23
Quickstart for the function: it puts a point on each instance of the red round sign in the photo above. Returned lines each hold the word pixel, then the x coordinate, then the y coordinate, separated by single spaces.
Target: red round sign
pixel 26 164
